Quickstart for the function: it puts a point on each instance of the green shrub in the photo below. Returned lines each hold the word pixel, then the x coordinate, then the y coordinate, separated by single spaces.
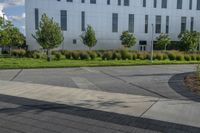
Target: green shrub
pixel 84 56
pixel 37 55
pixel 172 56
pixel 141 56
pixel 134 56
pixel 107 55
pixel 187 57
pixel 76 55
pixel 68 55
pixel 18 53
pixel 116 56
pixel 63 52
pixel 165 56
pixel 193 57
pixel 125 54
pixel 198 57
pixel 99 54
pixel 129 56
pixel 92 55
pixel 58 56
pixel 180 57
pixel 159 56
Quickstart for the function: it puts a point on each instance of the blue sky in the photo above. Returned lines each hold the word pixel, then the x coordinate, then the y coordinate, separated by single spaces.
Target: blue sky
pixel 14 11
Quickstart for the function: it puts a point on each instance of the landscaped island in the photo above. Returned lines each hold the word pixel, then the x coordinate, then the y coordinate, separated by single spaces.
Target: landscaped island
pixel 192 81
pixel 121 57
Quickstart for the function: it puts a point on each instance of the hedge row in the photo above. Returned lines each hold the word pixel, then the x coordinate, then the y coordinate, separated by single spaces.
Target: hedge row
pixel 122 54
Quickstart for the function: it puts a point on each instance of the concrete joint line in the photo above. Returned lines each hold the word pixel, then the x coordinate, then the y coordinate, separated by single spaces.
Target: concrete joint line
pixel 149 108
pixel 115 77
pixel 13 78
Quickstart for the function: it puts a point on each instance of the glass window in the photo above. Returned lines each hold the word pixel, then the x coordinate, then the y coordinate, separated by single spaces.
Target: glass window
pixel 183 24
pixel 63 20
pixel 83 21
pixel 119 2
pixel 192 24
pixel 108 2
pixel 114 22
pixel 198 4
pixel 164 3
pixel 146 23
pixel 144 3
pixel 155 3
pixel 190 5
pixel 92 1
pixel 126 2
pixel 179 4
pixel 131 23
pixel 158 24
pixel 167 24
pixel 36 18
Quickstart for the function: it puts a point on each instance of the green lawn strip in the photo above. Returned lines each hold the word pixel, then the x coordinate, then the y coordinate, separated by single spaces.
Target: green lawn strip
pixel 26 63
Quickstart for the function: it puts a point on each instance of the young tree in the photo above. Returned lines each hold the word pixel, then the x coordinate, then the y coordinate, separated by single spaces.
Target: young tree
pixel 189 40
pixel 162 41
pixel 128 40
pixel 49 35
pixel 89 38
pixel 10 35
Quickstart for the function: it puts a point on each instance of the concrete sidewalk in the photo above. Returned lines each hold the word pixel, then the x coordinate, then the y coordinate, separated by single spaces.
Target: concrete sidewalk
pixel 183 112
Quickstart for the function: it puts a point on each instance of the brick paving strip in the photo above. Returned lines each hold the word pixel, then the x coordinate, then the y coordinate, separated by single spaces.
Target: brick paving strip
pixel 184 112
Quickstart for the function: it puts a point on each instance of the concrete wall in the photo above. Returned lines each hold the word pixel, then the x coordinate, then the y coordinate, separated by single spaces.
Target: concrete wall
pixel 100 17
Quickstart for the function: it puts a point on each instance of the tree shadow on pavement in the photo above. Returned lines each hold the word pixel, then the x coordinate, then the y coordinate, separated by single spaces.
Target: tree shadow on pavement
pixel 25 105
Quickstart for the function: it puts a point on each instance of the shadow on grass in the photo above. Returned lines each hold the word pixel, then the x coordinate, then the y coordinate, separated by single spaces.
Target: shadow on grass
pixel 25 105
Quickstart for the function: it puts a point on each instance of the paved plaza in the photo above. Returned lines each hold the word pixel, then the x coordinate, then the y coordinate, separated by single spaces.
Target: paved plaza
pixel 130 99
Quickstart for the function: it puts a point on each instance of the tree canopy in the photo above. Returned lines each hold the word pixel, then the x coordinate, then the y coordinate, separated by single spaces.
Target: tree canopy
pixel 162 41
pixel 128 40
pixel 49 34
pixel 10 35
pixel 88 37
pixel 189 40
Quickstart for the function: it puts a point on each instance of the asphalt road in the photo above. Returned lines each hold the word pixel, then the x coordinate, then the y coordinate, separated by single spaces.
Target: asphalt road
pixel 138 80
pixel 25 115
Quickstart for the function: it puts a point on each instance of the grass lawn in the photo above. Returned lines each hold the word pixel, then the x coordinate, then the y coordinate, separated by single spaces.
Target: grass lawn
pixel 25 63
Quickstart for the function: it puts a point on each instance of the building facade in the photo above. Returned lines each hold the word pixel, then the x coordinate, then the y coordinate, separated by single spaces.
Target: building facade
pixel 109 18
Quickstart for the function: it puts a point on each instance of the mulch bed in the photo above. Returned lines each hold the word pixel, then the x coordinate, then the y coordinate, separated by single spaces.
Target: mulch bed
pixel 193 83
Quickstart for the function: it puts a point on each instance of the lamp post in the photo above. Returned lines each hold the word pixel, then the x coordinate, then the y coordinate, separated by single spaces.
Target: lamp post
pixel 152 42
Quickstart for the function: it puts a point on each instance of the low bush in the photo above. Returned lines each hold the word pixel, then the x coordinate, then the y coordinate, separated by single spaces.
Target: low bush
pixel 58 56
pixel 18 53
pixel 134 56
pixel 116 56
pixel 159 56
pixel 68 55
pixel 141 56
pixel 172 56
pixel 193 57
pixel 107 55
pixel 187 57
pixel 125 54
pixel 180 57
pixel 92 55
pixel 198 57
pixel 76 55
pixel 165 56
pixel 84 56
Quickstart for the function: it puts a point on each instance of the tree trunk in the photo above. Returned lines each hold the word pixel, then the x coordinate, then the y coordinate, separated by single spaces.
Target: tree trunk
pixel 48 55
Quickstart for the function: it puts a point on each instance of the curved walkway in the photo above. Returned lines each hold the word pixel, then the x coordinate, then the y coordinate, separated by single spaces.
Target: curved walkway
pixel 112 99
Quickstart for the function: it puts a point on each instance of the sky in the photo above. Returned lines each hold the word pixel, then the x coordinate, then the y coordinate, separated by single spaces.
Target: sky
pixel 14 11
